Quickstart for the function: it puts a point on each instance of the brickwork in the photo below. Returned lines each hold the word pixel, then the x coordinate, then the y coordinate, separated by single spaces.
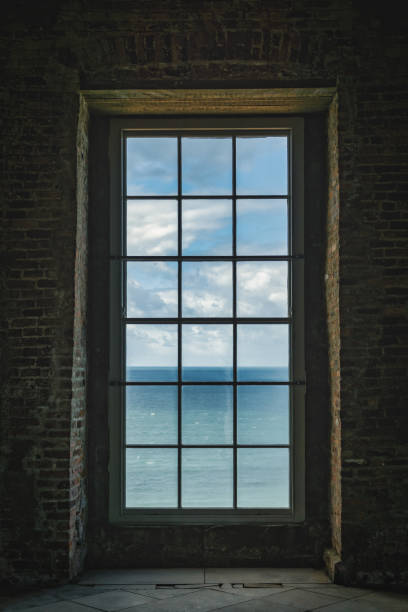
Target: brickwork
pixel 373 303
pixel 78 498
pixel 333 322
pixel 38 293
pixel 52 50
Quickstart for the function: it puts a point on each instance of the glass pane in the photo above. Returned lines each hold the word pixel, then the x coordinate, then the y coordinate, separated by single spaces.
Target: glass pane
pixel 207 478
pixel 263 478
pixel 263 414
pixel 206 166
pixel 262 227
pixel 151 477
pixel 207 416
pixel 151 227
pixel 152 289
pixel 262 165
pixel 262 289
pixel 263 352
pixel 151 415
pixel 207 227
pixel 151 166
pixel 207 289
pixel 207 352
pixel 151 352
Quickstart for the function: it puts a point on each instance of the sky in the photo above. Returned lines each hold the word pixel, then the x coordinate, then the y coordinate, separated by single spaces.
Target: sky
pixel 152 229
pixel 210 345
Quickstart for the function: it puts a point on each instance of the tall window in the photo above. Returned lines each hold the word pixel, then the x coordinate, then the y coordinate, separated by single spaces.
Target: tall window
pixel 207 372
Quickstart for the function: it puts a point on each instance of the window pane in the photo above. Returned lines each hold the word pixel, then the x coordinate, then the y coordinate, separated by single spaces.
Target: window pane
pixel 262 227
pixel 207 289
pixel 263 414
pixel 151 415
pixel 207 416
pixel 207 478
pixel 151 477
pixel 206 166
pixel 263 478
pixel 263 352
pixel 262 289
pixel 151 227
pixel 207 352
pixel 151 352
pixel 152 289
pixel 262 165
pixel 151 166
pixel 207 227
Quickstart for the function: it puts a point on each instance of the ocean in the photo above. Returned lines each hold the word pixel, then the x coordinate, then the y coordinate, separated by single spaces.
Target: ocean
pixel 207 419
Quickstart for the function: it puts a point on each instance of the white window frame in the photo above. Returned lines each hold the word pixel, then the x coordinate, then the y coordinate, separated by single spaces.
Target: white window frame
pixel 118 513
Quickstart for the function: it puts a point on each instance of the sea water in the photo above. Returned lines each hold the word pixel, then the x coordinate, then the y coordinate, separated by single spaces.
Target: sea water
pixel 207 419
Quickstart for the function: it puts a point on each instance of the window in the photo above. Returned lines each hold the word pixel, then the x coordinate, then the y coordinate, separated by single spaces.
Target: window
pixel 207 366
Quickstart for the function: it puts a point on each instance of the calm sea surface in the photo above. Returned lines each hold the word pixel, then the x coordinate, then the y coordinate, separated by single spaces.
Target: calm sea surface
pixel 207 419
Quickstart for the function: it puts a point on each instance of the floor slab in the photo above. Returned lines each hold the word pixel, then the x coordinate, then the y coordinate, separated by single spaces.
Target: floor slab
pixel 111 601
pixel 167 593
pixel 202 600
pixel 265 575
pixel 60 606
pixel 205 590
pixel 303 599
pixel 369 604
pixel 260 605
pixel 390 601
pixel 144 576
pixel 336 590
pixel 252 593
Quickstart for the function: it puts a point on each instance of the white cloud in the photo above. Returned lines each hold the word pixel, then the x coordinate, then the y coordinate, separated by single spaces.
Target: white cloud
pixel 202 219
pixel 262 289
pixel 151 289
pixel 207 345
pixel 202 304
pixel 152 227
pixel 207 289
pixel 170 297
pixel 151 345
pixel 145 303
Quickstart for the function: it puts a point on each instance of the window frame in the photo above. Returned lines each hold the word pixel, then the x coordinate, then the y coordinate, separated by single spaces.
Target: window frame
pixel 118 514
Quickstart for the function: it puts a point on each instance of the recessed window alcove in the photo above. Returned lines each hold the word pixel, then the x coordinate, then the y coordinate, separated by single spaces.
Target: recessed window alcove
pixel 223 543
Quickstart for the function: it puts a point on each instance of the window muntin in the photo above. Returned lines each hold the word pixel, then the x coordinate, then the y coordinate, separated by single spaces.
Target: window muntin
pixel 216 236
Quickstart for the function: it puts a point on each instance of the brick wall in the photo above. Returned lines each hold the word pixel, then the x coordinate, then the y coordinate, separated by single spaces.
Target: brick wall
pixel 52 50
pixel 39 221
pixel 373 304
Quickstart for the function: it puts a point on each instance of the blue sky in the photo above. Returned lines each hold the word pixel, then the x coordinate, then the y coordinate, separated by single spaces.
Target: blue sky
pixel 152 229
pixel 207 166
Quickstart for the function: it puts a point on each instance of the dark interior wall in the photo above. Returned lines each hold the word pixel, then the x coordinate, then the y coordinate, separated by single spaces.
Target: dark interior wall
pixel 373 301
pixel 50 52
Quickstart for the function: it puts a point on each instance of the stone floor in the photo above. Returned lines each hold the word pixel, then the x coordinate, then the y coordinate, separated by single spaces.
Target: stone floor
pixel 203 590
